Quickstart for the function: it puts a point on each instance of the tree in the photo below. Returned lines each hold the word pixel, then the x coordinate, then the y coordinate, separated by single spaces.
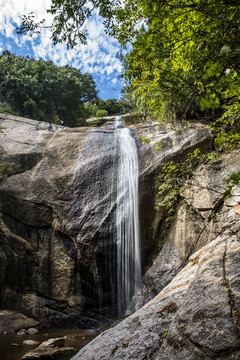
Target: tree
pixel 185 53
pixel 69 19
pixel 185 59
pixel 41 90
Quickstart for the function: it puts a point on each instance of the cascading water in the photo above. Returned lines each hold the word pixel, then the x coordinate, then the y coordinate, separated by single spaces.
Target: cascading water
pixel 127 220
pixel 104 215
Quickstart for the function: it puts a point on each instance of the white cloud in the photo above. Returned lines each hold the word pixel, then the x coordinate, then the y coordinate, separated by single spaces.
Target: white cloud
pixel 9 47
pixel 98 57
pixel 114 81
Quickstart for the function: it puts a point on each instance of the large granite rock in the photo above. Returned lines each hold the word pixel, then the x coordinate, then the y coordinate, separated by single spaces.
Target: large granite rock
pixel 195 317
pixel 208 207
pixel 58 214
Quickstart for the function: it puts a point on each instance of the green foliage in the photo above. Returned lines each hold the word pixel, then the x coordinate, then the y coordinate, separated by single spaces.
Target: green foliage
pixel 106 107
pixel 43 91
pixel 227 140
pixel 95 122
pixel 234 179
pixel 6 110
pixel 6 170
pixel 227 129
pixel 165 334
pixel 69 19
pixel 89 109
pixel 114 106
pixel 172 177
pixel 184 59
pixel 101 113
pixel 144 140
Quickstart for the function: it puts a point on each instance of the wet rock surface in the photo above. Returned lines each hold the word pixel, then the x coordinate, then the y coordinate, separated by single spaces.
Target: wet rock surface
pixel 58 215
pixel 50 349
pixel 14 346
pixel 14 321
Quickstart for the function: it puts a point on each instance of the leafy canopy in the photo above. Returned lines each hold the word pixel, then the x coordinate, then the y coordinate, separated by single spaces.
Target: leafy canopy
pixel 69 19
pixel 41 90
pixel 184 60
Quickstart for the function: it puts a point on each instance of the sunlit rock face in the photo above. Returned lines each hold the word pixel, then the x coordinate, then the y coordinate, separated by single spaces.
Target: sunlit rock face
pixel 158 145
pixel 191 318
pixel 206 210
pixel 58 215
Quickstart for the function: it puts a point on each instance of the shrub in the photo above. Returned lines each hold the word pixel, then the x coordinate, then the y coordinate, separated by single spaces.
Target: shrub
pixel 101 113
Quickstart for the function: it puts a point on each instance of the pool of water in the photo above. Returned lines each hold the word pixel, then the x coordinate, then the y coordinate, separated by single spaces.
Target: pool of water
pixel 11 347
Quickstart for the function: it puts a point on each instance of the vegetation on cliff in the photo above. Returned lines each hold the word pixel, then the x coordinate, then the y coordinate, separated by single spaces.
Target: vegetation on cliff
pixel 43 91
pixel 184 58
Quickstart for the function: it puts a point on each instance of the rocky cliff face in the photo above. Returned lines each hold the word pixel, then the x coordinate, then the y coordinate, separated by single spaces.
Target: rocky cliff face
pixel 58 216
pixel 196 312
pixel 209 206
pixel 38 259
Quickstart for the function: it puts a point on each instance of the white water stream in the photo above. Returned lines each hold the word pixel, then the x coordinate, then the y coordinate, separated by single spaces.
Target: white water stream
pixel 127 220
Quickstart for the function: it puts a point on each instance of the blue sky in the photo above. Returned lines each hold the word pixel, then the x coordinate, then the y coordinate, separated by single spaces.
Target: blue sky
pixel 98 57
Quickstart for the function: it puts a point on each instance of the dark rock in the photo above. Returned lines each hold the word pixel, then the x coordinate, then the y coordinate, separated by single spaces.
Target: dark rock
pixel 50 349
pixel 14 321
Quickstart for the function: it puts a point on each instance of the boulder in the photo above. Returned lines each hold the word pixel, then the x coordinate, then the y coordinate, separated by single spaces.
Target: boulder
pixel 32 331
pixel 30 343
pixel 13 321
pixel 50 349
pixel 195 316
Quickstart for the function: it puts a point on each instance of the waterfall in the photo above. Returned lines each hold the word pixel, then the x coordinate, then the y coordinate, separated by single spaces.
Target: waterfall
pixel 127 220
pixel 104 215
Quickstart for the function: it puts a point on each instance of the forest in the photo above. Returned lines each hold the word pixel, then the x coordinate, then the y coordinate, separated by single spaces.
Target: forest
pixel 43 91
pixel 183 62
